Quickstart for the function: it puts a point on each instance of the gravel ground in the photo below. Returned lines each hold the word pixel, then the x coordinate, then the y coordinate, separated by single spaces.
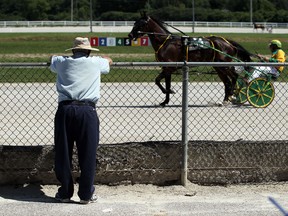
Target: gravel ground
pixel 148 200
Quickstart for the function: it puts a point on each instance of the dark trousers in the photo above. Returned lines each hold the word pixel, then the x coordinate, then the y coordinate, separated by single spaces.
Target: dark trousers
pixel 76 124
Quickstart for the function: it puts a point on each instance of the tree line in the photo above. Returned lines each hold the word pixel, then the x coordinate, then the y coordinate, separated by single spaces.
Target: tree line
pixel 168 10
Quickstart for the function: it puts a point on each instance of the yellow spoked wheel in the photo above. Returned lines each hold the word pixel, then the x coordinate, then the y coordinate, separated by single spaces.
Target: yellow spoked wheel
pixel 240 91
pixel 260 92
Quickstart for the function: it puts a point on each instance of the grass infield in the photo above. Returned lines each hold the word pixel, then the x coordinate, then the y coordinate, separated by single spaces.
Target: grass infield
pixel 38 47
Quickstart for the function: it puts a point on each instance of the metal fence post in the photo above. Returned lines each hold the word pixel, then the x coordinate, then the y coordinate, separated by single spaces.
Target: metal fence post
pixel 185 80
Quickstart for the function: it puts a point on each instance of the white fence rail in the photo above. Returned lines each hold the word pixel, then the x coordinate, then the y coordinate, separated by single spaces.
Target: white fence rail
pixel 4 24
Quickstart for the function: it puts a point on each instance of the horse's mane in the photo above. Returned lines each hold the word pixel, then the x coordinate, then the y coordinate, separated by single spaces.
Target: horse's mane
pixel 160 23
pixel 242 52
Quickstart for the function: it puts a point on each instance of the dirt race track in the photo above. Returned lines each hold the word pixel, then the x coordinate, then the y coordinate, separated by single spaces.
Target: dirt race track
pixel 35 104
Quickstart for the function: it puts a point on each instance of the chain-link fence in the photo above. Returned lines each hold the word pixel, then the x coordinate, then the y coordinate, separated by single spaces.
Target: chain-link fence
pixel 129 112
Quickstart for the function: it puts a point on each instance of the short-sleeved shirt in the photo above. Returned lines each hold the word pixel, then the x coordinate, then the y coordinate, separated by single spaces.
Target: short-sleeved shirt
pixel 79 76
pixel 278 56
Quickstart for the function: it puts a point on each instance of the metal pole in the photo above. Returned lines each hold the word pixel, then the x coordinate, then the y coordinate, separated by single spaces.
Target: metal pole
pixel 91 16
pixel 185 81
pixel 251 11
pixel 184 172
pixel 193 17
pixel 71 10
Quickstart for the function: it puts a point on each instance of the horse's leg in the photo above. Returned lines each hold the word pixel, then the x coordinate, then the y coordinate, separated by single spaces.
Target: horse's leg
pixel 166 101
pixel 165 73
pixel 222 73
pixel 168 89
pixel 167 76
pixel 158 81
pixel 233 77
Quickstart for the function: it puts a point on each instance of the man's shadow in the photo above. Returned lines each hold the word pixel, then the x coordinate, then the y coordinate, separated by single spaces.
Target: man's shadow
pixel 27 193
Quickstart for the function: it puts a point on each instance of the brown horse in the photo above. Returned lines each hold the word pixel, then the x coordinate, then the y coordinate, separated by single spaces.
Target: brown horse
pixel 258 26
pixel 169 48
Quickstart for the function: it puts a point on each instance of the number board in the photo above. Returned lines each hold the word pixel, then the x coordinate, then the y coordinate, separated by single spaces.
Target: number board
pixel 127 42
pixel 136 42
pixel 119 41
pixel 102 41
pixel 144 41
pixel 94 41
pixel 112 41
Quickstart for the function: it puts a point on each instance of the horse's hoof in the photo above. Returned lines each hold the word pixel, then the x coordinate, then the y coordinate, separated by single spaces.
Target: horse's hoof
pixel 163 104
pixel 219 104
pixel 225 103
pixel 169 91
pixel 233 99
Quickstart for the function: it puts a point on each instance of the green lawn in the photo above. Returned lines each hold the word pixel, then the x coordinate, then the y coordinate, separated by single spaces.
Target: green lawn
pixel 37 47
pixel 49 43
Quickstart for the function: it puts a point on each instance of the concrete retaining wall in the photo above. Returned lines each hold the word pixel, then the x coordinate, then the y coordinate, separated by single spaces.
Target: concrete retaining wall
pixel 157 163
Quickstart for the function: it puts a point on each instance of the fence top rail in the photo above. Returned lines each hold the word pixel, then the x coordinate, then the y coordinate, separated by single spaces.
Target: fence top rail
pixel 194 64
pixel 36 23
pixel 167 64
pixel 24 64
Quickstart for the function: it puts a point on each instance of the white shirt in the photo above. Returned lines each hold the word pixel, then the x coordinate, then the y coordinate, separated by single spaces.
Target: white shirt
pixel 79 76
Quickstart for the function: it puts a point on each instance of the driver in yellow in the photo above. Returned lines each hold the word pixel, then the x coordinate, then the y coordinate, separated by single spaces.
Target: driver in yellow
pixel 278 55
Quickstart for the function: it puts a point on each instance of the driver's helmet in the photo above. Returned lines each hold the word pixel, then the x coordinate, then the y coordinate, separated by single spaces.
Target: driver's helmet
pixel 276 42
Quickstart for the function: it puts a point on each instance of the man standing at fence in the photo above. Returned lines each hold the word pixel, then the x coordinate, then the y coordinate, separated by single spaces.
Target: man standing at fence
pixel 76 120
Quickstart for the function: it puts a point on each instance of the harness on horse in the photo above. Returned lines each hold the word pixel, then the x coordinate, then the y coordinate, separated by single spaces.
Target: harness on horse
pixel 194 43
pixel 200 43
pixel 197 43
pixel 156 52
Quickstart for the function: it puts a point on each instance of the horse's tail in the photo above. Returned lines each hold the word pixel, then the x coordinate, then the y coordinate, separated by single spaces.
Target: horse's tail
pixel 242 53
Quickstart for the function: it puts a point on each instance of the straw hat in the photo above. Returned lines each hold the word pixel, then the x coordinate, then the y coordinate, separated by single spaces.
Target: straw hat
pixel 82 43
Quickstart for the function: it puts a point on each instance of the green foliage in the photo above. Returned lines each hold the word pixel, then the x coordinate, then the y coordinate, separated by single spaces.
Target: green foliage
pixel 34 9
pixel 118 16
pixel 280 16
pixel 205 10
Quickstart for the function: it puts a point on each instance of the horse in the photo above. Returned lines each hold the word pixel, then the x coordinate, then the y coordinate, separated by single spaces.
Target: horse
pixel 169 48
pixel 258 26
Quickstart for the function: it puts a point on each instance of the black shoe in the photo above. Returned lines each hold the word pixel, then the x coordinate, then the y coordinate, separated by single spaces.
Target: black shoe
pixel 93 199
pixel 60 199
